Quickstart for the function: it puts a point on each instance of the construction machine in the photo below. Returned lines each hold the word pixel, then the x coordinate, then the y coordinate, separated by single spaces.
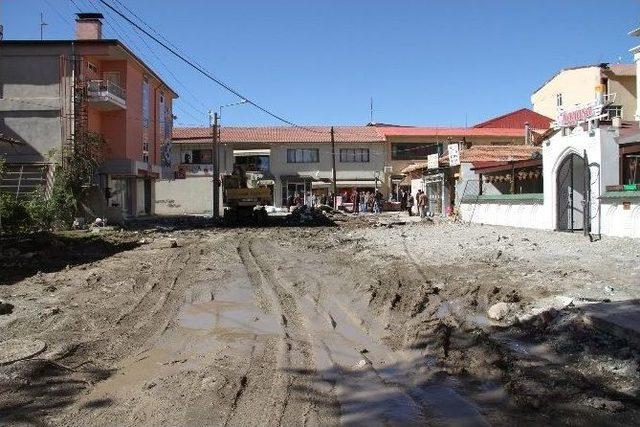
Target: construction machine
pixel 244 198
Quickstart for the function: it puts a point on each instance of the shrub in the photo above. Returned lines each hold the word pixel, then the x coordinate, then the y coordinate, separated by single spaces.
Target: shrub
pixel 14 216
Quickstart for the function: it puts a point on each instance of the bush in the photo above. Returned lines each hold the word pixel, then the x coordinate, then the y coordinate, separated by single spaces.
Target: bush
pixel 14 215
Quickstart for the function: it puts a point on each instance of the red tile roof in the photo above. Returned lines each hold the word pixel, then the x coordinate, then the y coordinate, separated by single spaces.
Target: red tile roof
pixel 496 153
pixel 517 119
pixel 485 155
pixel 453 132
pixel 283 134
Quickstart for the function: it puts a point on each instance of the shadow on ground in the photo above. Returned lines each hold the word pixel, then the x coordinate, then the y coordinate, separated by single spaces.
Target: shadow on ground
pixel 558 372
pixel 22 256
pixel 33 389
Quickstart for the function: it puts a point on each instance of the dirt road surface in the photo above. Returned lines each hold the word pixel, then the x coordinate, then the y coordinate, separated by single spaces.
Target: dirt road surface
pixel 368 323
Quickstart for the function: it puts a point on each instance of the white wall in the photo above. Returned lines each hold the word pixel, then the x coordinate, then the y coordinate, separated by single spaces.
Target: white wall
pixel 616 221
pixel 602 156
pixel 509 213
pixel 189 196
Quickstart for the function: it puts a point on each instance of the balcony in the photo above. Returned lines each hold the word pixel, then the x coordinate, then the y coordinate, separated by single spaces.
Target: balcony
pixel 106 96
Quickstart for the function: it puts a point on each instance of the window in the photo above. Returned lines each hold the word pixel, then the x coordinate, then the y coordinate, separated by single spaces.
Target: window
pixel 412 151
pixel 559 100
pixel 614 111
pixel 354 155
pixel 631 168
pixel 146 113
pixel 197 157
pixel 303 155
pixel 500 142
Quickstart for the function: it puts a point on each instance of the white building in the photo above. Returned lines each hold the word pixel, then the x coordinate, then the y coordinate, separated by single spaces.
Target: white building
pixel 288 160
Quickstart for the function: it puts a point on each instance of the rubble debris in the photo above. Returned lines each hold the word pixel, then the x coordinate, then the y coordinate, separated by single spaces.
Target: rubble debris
pixel 5 308
pixel 500 310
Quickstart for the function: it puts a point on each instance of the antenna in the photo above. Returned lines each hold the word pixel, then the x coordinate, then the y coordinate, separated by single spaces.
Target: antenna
pixel 1 26
pixel 42 25
pixel 371 110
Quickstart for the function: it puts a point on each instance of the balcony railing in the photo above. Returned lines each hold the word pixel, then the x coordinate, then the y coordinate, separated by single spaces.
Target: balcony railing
pixel 106 94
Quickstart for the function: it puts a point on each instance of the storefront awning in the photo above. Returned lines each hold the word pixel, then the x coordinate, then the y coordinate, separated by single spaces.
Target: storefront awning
pixel 346 184
pixel 248 153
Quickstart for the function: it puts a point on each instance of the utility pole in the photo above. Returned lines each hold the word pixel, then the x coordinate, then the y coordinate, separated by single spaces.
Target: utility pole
pixel 216 172
pixel 333 169
pixel 42 25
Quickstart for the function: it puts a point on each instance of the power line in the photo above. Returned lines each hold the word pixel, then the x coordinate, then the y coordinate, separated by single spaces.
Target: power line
pixel 121 32
pixel 202 71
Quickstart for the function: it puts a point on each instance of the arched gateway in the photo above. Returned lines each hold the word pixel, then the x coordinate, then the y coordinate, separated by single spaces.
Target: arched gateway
pixel 572 193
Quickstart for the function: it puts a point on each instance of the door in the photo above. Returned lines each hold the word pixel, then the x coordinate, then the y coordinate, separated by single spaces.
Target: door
pixel 572 194
pixel 147 196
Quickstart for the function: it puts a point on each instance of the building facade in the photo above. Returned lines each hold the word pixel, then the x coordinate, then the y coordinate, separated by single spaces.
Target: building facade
pixel 289 160
pixel 576 85
pixel 55 93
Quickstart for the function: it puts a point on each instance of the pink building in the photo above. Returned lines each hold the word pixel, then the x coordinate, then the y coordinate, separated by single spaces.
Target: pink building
pixel 51 92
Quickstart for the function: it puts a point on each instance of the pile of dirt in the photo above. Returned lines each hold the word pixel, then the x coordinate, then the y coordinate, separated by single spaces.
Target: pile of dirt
pixel 25 255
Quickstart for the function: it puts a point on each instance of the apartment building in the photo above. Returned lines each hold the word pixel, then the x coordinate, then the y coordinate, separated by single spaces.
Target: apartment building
pixel 577 85
pixel 288 160
pixel 54 92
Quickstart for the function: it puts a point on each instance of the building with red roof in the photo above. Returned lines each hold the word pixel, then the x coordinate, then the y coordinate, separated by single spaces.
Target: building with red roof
pixel 518 120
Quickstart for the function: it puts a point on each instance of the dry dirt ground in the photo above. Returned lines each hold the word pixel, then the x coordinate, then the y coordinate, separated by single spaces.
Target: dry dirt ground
pixel 365 323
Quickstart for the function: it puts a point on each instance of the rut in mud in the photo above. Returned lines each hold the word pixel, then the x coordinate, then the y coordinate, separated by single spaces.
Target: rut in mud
pixel 280 326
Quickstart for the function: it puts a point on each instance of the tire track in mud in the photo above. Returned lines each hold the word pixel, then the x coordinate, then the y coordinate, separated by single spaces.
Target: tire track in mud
pixel 384 371
pixel 293 349
pixel 346 382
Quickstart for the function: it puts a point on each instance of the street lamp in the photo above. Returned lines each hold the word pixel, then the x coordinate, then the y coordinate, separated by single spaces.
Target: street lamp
pixel 376 176
pixel 233 104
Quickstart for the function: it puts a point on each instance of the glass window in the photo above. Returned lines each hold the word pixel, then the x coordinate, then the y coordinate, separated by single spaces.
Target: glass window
pixel 354 155
pixel 559 100
pixel 631 168
pixel 303 155
pixel 614 111
pixel 412 151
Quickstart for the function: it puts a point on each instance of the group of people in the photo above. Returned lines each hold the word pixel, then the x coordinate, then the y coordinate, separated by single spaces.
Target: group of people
pixel 368 201
pixel 407 202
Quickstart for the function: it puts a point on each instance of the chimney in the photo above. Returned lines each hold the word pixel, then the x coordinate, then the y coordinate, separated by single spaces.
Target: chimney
pixel 527 134
pixel 89 26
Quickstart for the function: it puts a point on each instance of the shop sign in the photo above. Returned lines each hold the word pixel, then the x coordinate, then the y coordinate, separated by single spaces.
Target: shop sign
pixel 580 114
pixel 454 154
pixel 432 161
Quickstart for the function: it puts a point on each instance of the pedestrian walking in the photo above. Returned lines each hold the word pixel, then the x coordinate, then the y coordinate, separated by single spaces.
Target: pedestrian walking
pixel 410 204
pixel 422 203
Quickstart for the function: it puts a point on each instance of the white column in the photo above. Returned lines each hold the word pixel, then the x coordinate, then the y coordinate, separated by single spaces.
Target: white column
pixel 636 59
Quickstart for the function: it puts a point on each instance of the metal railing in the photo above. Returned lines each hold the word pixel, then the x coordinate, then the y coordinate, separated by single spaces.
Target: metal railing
pixel 98 87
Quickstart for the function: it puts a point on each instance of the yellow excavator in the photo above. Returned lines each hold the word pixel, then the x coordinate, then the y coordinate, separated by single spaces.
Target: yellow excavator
pixel 244 199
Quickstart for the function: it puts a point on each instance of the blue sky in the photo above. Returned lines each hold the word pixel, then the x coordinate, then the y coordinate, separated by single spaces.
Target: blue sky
pixel 318 62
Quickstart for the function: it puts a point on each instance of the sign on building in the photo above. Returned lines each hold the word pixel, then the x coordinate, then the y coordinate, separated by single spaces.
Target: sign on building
pixel 580 114
pixel 432 161
pixel 454 154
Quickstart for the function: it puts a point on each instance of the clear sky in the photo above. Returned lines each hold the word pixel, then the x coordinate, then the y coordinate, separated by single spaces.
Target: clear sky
pixel 319 61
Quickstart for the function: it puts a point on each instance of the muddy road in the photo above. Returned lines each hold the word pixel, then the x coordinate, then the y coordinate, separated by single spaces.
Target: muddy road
pixel 357 325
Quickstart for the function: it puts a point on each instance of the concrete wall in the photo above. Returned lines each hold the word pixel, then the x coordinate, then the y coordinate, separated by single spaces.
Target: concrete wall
pixel 576 86
pixel 184 196
pixel 30 101
pixel 511 213
pixel 625 89
pixel 602 154
pixel 618 221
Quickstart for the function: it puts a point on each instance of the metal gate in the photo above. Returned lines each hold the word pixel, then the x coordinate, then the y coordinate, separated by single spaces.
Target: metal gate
pixel 573 194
